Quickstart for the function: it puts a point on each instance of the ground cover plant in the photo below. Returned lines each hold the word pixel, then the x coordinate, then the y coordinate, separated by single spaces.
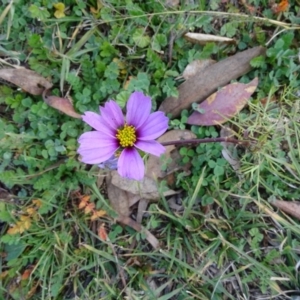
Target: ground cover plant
pixel 220 218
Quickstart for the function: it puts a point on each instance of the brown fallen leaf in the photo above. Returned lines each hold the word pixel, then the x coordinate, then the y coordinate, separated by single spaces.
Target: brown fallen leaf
pixel 154 163
pixel 203 84
pixel 62 104
pixel 202 39
pixel 196 66
pixel 146 188
pixel 27 80
pixel 289 207
pixel 142 207
pixel 118 198
pixel 224 104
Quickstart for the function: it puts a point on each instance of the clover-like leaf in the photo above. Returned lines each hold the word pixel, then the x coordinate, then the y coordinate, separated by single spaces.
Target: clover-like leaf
pixel 140 39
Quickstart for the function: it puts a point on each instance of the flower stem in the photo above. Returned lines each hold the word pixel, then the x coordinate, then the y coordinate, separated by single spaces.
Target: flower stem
pixel 208 140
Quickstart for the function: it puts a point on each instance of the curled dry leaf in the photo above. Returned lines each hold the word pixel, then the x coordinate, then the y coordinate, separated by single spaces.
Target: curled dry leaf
pixel 154 163
pixel 224 104
pixel 62 104
pixel 289 207
pixel 27 80
pixel 196 66
pixel 202 39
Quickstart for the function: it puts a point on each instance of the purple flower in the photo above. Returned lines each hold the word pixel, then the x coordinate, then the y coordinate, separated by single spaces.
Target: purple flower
pixel 116 135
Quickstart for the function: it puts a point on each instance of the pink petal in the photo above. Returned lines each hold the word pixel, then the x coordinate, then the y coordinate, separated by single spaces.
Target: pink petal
pixel 152 147
pixel 131 165
pixel 112 115
pixel 96 147
pixel 97 122
pixel 154 127
pixel 138 109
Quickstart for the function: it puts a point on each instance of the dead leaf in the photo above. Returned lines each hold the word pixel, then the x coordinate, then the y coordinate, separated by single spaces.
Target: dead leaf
pixel 37 202
pixel 146 188
pixel 97 214
pixel 27 272
pixel 196 66
pixel 89 208
pixel 172 202
pixel 27 80
pixel 204 83
pixel 5 196
pixel 118 198
pixel 202 39
pixel 280 7
pixel 3 274
pixel 224 104
pixel 84 200
pixel 289 207
pixel 62 104
pixel 102 232
pixel 154 163
pixel 143 204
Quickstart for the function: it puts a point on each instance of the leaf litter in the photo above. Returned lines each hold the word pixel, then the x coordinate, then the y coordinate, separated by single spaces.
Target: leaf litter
pixel 224 104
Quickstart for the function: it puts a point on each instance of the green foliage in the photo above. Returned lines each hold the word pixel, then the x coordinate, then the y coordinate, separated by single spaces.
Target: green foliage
pixel 209 233
pixel 40 13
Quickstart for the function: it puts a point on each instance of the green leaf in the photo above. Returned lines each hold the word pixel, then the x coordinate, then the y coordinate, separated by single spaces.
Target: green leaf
pixel 170 89
pixel 112 71
pixel 4 215
pixel 122 98
pixel 141 83
pixel 107 50
pixel 14 251
pixel 10 239
pixel 159 41
pixel 229 29
pixel 219 171
pixel 212 164
pixel 40 13
pixel 140 39
pixel 257 62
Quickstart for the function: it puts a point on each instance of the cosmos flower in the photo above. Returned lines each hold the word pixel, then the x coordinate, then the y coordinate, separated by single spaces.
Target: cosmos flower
pixel 122 137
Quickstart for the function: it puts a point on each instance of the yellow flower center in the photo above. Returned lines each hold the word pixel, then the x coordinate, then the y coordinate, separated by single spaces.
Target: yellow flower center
pixel 126 136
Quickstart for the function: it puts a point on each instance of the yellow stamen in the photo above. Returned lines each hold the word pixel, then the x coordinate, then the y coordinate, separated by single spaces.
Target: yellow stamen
pixel 126 136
